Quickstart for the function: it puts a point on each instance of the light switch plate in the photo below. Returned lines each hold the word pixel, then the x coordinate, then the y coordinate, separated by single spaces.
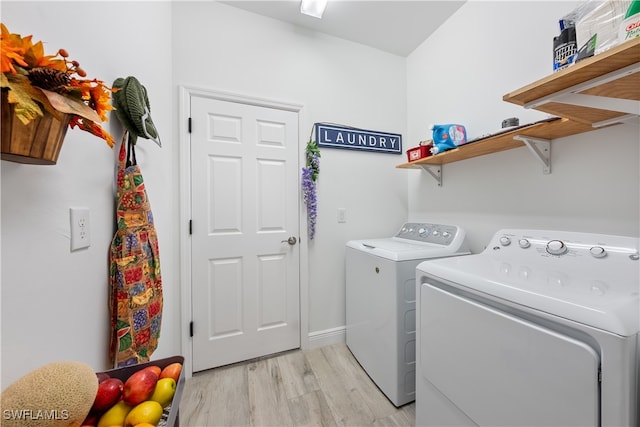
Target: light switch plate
pixel 342 215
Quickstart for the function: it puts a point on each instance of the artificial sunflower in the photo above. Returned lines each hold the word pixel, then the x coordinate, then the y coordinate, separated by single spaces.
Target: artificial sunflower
pixel 33 81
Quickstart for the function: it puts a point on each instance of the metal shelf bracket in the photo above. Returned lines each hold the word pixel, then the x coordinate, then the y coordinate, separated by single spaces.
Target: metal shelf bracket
pixel 628 118
pixel 572 95
pixel 435 171
pixel 540 148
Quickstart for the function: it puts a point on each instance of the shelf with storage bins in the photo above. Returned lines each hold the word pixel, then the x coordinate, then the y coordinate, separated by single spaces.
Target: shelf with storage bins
pixel 599 91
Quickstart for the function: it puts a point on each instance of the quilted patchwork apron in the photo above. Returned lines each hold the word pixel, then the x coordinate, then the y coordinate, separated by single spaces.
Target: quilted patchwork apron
pixel 135 281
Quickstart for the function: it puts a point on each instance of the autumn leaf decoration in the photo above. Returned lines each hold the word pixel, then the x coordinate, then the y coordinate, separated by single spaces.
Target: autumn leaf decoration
pixel 35 81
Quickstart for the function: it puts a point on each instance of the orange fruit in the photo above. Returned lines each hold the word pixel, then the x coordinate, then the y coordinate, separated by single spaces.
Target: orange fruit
pixel 171 371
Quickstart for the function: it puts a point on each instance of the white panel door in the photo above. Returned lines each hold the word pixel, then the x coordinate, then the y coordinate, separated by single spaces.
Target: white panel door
pixel 244 192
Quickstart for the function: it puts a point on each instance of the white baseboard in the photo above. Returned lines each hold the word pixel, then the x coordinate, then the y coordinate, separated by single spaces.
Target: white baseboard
pixel 327 337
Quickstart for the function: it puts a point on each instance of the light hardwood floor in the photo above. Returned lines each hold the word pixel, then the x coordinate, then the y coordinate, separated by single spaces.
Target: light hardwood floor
pixel 320 387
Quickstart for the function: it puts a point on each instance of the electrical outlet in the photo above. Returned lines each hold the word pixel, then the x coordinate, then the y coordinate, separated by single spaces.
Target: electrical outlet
pixel 80 226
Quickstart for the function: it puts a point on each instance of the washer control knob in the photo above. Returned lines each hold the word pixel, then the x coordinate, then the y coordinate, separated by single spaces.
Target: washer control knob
pixel 598 252
pixel 524 243
pixel 421 231
pixel 436 233
pixel 505 241
pixel 446 234
pixel 556 247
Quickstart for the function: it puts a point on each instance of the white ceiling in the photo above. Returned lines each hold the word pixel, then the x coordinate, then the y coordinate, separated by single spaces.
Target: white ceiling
pixel 394 26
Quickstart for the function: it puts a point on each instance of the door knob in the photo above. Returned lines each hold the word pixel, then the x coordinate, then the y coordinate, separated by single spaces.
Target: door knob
pixel 291 240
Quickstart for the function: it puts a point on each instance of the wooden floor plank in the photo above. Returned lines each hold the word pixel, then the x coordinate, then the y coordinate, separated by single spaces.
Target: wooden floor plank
pixel 227 402
pixel 344 399
pixel 267 397
pixel 297 375
pixel 311 409
pixel 194 404
pixel 319 387
pixel 377 402
pixel 400 418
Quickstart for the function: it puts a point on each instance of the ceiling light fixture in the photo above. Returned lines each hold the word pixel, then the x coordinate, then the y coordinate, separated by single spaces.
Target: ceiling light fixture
pixel 313 8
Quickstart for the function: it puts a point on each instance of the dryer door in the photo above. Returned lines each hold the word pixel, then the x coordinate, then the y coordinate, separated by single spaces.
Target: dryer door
pixel 500 369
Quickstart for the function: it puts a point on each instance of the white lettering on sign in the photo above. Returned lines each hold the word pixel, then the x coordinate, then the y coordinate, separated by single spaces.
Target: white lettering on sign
pixel 343 137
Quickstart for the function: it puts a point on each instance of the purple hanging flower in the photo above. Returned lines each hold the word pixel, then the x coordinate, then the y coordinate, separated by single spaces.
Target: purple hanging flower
pixel 309 177
pixel 310 199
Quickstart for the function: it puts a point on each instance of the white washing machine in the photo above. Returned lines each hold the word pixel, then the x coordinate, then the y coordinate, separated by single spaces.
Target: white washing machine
pixel 540 329
pixel 380 301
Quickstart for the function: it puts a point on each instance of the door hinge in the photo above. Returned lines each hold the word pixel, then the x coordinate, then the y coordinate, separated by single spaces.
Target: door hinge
pixel 189 124
pixel 190 226
pixel 191 328
pixel 600 375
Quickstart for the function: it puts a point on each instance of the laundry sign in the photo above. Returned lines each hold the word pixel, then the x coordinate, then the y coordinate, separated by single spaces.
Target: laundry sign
pixel 335 136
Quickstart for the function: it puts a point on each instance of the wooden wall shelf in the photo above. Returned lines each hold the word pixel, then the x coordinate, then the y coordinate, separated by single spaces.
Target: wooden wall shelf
pixel 558 128
pixel 596 92
pixel 593 91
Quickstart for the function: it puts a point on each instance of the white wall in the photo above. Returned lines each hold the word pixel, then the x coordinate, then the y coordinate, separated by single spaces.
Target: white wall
pixel 459 75
pixel 54 302
pixel 221 47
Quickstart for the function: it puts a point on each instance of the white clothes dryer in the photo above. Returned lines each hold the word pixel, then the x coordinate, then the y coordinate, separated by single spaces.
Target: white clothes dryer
pixel 380 301
pixel 539 329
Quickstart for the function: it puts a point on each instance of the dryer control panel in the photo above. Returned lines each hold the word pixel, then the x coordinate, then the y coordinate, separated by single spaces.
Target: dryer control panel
pixel 543 243
pixel 428 233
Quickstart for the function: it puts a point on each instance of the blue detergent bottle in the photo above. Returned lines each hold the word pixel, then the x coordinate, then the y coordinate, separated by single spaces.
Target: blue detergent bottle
pixel 446 137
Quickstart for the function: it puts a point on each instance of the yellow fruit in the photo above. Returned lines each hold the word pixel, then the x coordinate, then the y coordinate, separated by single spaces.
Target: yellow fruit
pixel 56 394
pixel 144 425
pixel 148 411
pixel 115 415
pixel 164 391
